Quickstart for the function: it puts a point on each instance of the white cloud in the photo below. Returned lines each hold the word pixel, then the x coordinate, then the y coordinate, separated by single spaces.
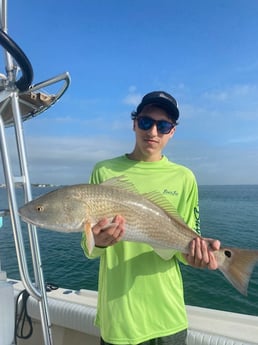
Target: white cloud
pixel 210 141
pixel 70 159
pixel 231 93
pixel 67 160
pixel 244 139
pixel 132 99
pixel 217 96
pixel 213 164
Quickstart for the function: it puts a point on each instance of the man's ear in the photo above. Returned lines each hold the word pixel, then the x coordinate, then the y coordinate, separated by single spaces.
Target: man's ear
pixel 172 132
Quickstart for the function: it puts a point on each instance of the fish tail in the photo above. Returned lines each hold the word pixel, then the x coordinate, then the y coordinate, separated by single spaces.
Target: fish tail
pixel 237 266
pixel 90 242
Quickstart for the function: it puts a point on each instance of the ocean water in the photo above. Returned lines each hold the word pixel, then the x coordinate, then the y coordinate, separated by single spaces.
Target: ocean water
pixel 229 213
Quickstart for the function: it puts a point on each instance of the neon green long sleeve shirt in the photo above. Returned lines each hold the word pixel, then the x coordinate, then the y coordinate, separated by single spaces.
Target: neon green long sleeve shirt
pixel 141 295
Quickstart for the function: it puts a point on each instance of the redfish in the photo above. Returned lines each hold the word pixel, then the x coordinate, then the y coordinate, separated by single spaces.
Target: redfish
pixel 150 219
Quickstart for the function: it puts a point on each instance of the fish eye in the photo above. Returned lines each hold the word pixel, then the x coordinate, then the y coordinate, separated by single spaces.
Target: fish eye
pixel 228 253
pixel 39 208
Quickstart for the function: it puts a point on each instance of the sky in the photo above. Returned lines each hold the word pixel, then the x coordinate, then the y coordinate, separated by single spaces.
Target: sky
pixel 205 53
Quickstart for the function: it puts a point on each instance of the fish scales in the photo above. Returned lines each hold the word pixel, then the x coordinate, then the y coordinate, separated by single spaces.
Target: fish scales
pixel 143 218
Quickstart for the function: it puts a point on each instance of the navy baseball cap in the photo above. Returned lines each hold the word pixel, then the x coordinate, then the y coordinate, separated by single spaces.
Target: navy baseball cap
pixel 161 99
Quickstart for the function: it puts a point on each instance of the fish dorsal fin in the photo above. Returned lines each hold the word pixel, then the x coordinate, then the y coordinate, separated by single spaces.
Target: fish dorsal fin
pixel 161 201
pixel 121 182
pixel 156 198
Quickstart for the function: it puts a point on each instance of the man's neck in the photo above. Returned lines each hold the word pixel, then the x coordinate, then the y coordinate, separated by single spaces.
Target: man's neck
pixel 144 158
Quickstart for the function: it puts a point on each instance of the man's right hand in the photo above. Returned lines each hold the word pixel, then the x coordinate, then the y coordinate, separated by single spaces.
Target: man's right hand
pixel 106 233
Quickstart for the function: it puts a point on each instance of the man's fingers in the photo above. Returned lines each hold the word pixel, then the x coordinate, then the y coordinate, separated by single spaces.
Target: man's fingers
pixel 97 228
pixel 201 253
pixel 106 233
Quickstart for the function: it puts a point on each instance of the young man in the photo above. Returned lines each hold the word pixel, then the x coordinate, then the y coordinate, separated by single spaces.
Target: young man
pixel 140 297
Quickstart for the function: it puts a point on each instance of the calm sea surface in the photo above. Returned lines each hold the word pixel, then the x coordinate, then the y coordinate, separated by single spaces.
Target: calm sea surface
pixel 229 213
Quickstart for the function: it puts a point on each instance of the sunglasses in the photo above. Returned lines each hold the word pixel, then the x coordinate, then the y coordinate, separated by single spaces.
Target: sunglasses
pixel 145 123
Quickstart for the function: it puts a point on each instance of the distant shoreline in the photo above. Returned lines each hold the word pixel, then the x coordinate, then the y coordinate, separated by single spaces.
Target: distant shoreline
pixel 41 185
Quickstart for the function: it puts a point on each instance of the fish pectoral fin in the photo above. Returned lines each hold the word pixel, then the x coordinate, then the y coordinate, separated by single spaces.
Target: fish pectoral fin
pixel 89 236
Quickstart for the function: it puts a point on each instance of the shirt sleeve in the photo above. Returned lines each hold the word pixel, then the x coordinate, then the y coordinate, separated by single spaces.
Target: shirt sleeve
pixel 191 212
pixel 95 177
pixel 191 206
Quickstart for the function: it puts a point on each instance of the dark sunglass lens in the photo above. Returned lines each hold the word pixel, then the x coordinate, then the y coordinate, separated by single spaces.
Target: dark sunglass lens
pixel 145 123
pixel 164 127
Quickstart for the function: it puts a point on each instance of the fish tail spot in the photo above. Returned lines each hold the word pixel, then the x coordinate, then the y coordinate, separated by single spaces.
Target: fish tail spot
pixel 228 253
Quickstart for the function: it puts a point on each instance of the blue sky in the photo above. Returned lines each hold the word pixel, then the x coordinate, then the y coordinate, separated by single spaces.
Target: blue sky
pixel 205 53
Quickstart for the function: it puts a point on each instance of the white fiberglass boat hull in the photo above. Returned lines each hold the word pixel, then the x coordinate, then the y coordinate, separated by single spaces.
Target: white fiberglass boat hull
pixel 72 315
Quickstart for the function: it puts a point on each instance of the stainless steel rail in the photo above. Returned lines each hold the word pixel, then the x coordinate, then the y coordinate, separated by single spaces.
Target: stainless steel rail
pixel 17 106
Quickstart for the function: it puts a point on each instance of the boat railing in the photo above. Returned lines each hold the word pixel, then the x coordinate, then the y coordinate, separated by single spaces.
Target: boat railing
pixel 20 101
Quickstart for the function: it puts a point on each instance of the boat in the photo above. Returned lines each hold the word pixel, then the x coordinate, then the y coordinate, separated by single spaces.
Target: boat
pixel 72 314
pixel 45 314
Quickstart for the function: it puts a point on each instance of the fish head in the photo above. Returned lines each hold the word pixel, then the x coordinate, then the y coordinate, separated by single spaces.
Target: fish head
pixel 56 210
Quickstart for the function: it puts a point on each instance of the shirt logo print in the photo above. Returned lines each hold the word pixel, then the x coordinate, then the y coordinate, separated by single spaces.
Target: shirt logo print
pixel 170 192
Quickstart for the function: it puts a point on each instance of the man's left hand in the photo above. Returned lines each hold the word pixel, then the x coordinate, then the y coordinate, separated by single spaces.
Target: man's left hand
pixel 201 253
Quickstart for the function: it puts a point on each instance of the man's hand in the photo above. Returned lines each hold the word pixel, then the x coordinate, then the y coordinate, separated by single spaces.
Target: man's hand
pixel 106 234
pixel 201 253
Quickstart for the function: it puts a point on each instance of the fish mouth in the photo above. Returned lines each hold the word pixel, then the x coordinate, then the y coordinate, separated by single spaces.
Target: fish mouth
pixel 28 220
pixel 21 214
